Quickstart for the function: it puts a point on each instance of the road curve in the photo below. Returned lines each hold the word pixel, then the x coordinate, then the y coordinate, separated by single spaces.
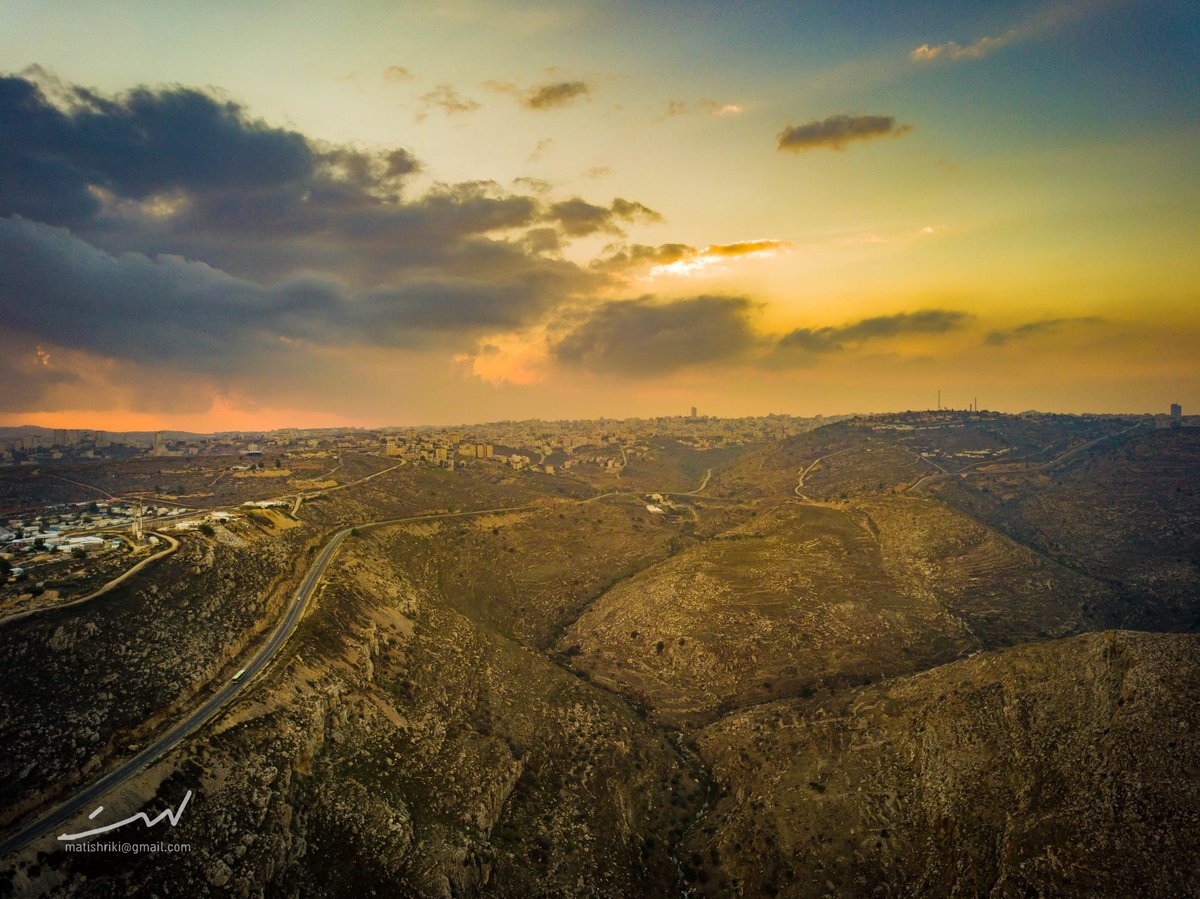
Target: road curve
pixel 185 728
pixel 972 470
pixel 172 545
pixel 813 464
pixel 167 741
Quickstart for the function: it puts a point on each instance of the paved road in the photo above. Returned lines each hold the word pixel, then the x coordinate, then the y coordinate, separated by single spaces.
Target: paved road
pixel 88 797
pixel 169 740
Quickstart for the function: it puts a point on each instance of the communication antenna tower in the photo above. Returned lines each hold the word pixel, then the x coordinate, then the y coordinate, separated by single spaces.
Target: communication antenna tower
pixel 138 530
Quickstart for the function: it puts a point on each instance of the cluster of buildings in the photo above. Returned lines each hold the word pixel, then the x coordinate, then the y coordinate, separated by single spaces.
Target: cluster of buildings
pixel 609 443
pixel 1176 419
pixel 519 444
pixel 35 445
pixel 65 528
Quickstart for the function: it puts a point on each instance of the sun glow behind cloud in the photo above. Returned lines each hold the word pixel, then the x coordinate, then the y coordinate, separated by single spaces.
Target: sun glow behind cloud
pixel 289 243
pixel 508 359
pixel 699 262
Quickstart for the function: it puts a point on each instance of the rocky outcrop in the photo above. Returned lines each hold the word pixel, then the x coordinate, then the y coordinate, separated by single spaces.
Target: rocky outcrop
pixel 1066 768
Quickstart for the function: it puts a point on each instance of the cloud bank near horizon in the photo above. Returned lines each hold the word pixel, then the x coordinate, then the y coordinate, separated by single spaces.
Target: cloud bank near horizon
pixel 168 233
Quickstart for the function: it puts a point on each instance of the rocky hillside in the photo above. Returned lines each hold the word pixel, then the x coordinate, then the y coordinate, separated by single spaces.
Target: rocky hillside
pixel 401 747
pixel 1067 768
pixel 807 597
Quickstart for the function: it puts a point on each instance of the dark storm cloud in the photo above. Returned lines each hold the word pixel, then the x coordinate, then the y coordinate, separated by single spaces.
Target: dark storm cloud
pixel 543 240
pixel 54 286
pixel 138 145
pixel 648 337
pixel 57 288
pixel 1034 329
pixel 630 210
pixel 181 172
pixel 106 166
pixel 578 218
pixel 203 241
pixel 401 162
pixel 837 131
pixel 27 388
pixel 833 339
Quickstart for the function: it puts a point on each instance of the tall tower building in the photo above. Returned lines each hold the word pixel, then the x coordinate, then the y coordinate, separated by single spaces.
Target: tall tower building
pixel 137 529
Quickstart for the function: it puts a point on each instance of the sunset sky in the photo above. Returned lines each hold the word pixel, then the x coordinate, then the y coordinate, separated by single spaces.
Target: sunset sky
pixel 241 215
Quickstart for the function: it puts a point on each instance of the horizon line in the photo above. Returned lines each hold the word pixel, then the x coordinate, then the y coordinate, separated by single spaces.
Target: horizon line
pixel 601 418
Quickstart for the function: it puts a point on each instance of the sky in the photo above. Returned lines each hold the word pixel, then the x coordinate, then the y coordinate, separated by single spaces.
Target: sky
pixel 250 215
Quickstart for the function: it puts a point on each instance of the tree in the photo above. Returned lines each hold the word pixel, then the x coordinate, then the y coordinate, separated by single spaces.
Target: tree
pixel 93 508
pixel 5 567
pixel 78 552
pixel 207 529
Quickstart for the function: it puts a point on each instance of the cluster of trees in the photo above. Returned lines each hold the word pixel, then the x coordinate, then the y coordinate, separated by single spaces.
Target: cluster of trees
pixel 6 568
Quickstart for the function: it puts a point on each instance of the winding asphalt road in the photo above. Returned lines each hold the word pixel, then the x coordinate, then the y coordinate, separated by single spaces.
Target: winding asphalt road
pixel 88 796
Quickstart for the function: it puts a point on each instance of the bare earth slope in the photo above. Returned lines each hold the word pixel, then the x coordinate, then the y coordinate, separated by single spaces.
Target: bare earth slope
pixel 796 599
pixel 815 596
pixel 1126 513
pixel 401 748
pixel 1067 768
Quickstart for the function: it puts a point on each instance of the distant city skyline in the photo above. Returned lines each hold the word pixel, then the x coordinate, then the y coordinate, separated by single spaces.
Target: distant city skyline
pixel 247 217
